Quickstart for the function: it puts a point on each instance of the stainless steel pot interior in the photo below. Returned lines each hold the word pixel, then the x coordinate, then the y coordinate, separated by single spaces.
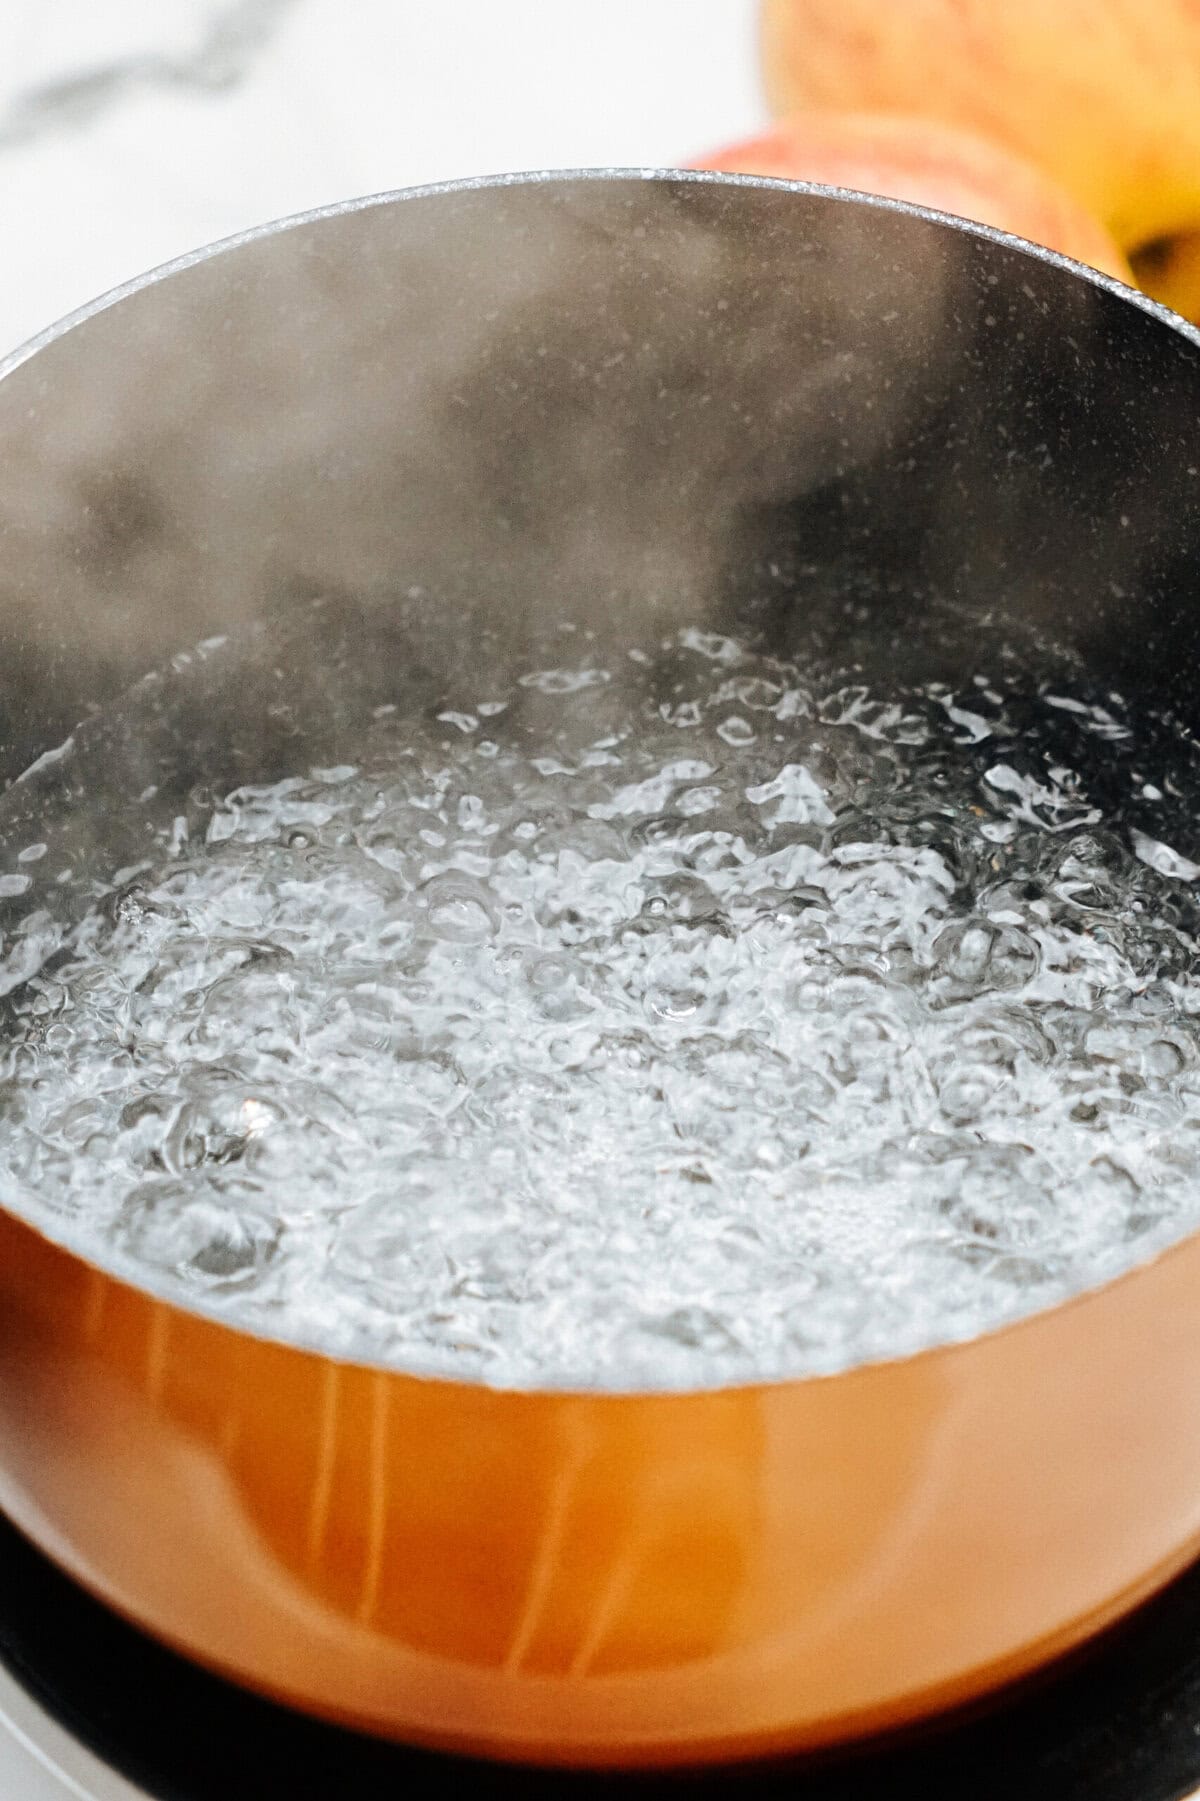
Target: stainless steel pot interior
pixel 599 394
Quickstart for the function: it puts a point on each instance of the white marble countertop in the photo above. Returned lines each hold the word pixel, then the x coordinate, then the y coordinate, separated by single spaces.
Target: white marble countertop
pixel 133 130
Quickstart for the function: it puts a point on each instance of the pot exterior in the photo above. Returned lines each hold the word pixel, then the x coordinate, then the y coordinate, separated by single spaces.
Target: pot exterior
pixel 600 1578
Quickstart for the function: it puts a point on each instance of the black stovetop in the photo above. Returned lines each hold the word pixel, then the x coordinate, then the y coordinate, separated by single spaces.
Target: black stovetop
pixel 1121 1722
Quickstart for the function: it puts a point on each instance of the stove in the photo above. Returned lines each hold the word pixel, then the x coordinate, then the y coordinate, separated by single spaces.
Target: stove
pixel 93 1711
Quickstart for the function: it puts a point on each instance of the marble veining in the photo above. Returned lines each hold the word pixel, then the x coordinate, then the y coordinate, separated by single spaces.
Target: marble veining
pixel 228 41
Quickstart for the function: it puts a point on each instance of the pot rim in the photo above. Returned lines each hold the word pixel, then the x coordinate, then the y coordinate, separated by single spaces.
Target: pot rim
pixel 599 173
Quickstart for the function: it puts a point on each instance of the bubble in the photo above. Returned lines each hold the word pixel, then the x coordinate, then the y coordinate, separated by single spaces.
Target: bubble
pixel 564 681
pixel 196 1234
pixel 749 1009
pixel 694 801
pixel 556 985
pixel 979 955
pixel 966 1093
pixel 661 829
pixel 1164 1058
pixel 758 693
pixel 459 909
pixel 736 731
pixel 1008 1037
pixel 217 1125
pixel 713 645
pixel 680 897
pixel 675 1003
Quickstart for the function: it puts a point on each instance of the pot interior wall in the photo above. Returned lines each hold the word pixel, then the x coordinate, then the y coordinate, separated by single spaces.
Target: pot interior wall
pixel 598 397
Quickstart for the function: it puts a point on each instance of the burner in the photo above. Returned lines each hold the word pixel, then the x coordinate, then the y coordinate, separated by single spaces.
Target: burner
pixel 1120 1723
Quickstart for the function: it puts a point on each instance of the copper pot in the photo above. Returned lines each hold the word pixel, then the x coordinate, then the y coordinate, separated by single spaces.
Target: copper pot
pixel 652 392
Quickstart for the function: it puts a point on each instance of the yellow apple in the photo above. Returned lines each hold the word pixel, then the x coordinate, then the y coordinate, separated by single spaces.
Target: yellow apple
pixel 933 165
pixel 1169 270
pixel 1104 95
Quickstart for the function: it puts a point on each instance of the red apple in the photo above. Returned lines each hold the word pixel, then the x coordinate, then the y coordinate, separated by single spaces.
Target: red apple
pixel 1104 95
pixel 933 165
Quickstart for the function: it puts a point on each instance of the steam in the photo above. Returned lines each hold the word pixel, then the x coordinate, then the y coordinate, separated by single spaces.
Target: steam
pixel 516 398
pixel 628 402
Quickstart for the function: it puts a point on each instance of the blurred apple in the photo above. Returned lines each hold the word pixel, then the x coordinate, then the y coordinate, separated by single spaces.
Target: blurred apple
pixel 1104 95
pixel 932 165
pixel 1169 270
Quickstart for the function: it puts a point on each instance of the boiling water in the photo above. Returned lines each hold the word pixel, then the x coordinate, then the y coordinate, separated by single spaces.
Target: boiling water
pixel 674 1013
